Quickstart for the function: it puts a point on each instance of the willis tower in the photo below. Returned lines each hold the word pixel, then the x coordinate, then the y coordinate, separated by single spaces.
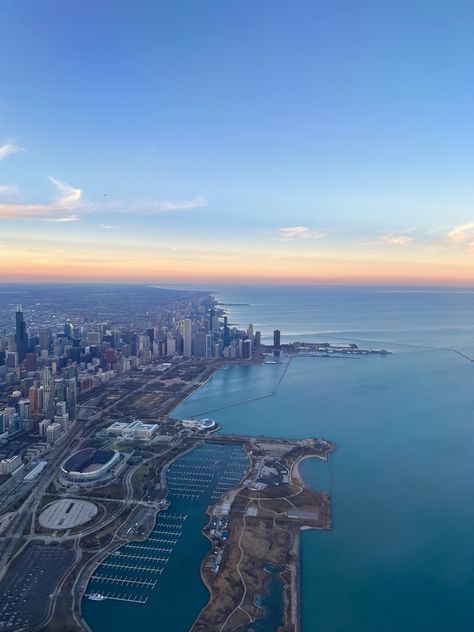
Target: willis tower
pixel 21 337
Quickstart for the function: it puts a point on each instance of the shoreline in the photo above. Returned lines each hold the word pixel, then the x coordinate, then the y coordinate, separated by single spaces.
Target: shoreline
pixel 250 529
pixel 290 576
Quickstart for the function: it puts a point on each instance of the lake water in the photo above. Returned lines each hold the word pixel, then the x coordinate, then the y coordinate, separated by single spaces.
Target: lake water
pixel 401 554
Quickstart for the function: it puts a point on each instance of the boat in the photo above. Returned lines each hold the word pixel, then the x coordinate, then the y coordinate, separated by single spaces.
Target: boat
pixel 96 597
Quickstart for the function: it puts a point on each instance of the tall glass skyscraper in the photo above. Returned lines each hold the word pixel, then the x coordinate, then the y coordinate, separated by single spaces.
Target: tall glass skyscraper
pixel 21 337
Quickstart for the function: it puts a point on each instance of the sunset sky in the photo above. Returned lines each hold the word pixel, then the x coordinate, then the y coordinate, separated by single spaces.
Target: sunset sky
pixel 237 141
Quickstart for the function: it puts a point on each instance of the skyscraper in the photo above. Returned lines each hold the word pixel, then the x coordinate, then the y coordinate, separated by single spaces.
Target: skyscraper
pixel 71 396
pixel 226 333
pixel 21 337
pixel 199 341
pixel 49 391
pixel 276 342
pixel 68 329
pixel 187 337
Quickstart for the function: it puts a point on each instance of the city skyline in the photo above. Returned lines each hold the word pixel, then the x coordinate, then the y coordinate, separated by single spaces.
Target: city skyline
pixel 237 143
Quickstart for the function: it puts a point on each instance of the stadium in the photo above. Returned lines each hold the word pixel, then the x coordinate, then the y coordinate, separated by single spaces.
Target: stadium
pixel 89 465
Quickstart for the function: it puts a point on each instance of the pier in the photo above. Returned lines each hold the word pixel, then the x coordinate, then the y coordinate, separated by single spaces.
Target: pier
pixel 206 472
pixel 120 597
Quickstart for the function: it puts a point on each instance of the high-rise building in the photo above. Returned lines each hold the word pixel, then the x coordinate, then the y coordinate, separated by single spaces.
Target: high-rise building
pixel 33 397
pixel 8 466
pixel 21 337
pixel 68 329
pixel 93 338
pixel 11 359
pixel 71 398
pixel 209 348
pixel 24 408
pixel 226 333
pixel 199 341
pixel 250 338
pixel 63 421
pixel 213 320
pixel 42 427
pixel 48 394
pixel 30 361
pixel 170 346
pixel 53 432
pixel 187 337
pixel 276 342
pixel 246 349
pixel 44 339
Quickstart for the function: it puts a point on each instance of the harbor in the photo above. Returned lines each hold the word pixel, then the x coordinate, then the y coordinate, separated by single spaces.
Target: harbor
pixel 143 574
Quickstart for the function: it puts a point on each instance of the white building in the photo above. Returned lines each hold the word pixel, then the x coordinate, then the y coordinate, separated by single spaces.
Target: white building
pixel 132 430
pixel 53 432
pixel 187 337
pixel 42 426
pixel 8 466
pixel 198 424
pixel 63 421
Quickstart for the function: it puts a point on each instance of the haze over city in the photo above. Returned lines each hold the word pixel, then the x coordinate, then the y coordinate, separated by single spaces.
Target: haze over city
pixel 237 142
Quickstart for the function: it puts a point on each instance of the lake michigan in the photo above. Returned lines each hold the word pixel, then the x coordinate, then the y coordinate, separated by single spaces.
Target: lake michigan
pixel 401 553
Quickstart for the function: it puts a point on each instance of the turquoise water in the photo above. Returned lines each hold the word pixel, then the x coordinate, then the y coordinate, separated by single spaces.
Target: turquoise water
pixel 401 554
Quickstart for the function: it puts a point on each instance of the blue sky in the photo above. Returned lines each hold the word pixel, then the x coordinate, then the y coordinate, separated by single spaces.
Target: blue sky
pixel 215 126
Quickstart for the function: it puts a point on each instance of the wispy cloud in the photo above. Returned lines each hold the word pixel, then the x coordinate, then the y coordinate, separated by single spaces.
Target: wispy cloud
pixel 290 233
pixel 158 206
pixel 69 218
pixel 69 196
pixel 308 255
pixel 395 239
pixel 6 189
pixel 67 200
pixel 464 233
pixel 9 148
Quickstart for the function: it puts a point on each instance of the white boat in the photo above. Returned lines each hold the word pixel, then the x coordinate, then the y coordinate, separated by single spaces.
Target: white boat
pixel 96 597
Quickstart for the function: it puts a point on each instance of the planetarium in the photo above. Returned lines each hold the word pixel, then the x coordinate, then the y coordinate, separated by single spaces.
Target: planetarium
pixel 89 465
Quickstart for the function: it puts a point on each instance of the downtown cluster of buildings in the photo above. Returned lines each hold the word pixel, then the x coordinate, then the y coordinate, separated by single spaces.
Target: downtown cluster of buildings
pixel 44 372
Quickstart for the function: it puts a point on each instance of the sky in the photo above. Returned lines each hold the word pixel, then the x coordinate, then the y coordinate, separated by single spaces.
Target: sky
pixel 237 141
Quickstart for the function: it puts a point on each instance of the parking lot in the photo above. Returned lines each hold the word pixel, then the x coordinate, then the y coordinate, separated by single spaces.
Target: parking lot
pixel 25 590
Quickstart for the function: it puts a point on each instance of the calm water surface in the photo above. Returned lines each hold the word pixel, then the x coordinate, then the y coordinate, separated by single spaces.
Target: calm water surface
pixel 401 554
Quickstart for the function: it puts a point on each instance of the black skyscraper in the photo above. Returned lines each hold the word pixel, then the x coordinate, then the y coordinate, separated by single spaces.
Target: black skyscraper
pixel 21 337
pixel 226 333
pixel 276 342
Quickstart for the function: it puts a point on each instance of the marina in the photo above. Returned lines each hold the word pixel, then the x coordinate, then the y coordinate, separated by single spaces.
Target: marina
pixel 145 572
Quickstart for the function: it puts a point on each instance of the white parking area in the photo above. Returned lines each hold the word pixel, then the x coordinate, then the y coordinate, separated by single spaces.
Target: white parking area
pixel 67 513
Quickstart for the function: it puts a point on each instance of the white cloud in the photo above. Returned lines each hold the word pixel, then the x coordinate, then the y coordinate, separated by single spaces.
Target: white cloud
pixel 69 218
pixel 69 196
pixel 298 232
pixel 8 188
pixel 67 200
pixel 9 148
pixel 163 206
pixel 395 239
pixel 461 234
pixel 69 203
